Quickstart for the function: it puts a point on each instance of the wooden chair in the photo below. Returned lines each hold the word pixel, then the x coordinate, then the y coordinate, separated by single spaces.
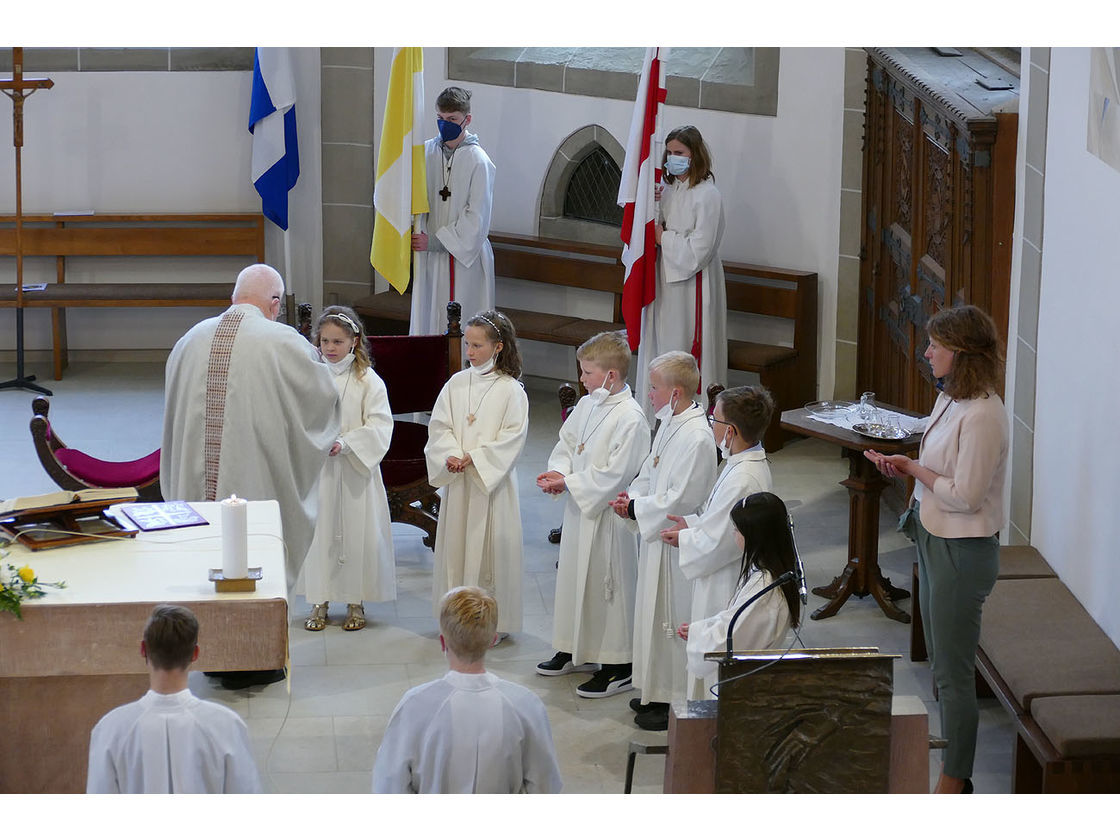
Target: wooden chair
pixel 568 396
pixel 72 469
pixel 414 369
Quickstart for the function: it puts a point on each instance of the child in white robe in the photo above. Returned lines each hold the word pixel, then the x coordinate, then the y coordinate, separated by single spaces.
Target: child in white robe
pixel 708 554
pixel 763 535
pixel 454 259
pixel 601 448
pixel 469 731
pixel 351 555
pixel 169 741
pixel 675 478
pixel 476 434
pixel 689 311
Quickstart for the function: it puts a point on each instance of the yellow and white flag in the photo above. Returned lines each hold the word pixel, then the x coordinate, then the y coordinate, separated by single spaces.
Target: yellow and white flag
pixel 401 189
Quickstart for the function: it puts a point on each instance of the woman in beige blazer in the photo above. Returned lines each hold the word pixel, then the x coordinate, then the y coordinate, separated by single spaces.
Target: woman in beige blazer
pixel 955 516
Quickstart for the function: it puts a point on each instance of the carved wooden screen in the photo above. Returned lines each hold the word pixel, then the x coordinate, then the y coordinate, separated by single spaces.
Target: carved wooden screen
pixel 938 204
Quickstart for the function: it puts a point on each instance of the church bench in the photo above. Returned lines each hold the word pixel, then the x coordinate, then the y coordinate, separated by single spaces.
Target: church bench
pixel 1058 674
pixel 126 235
pixel 789 372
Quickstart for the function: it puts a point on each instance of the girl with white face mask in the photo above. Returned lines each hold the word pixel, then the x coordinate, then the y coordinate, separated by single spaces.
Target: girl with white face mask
pixel 477 432
pixel 689 311
pixel 351 554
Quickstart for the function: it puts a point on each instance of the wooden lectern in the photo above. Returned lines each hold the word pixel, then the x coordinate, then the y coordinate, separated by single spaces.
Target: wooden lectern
pixel 806 721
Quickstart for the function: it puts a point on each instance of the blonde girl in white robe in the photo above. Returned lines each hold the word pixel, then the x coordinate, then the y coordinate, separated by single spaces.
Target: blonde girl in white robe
pixel 351 555
pixel 476 434
pixel 689 311
pixel 763 535
pixel 676 477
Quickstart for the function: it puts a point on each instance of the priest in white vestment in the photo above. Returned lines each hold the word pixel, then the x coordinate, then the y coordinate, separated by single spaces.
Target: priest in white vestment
pixel 250 410
pixel 469 731
pixel 709 556
pixel 454 260
pixel 478 541
pixel 676 477
pixel 169 741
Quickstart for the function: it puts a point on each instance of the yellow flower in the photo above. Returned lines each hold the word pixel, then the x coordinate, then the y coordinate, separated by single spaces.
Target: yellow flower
pixel 27 574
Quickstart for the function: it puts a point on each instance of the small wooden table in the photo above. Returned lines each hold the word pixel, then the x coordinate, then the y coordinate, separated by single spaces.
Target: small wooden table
pixel 861 575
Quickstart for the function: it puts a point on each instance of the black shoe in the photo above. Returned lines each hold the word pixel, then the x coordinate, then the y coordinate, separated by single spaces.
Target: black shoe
pixel 967 786
pixel 636 705
pixel 234 680
pixel 608 680
pixel 655 720
pixel 560 664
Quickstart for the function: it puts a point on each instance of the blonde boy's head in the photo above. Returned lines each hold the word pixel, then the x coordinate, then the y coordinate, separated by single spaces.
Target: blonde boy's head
pixel 677 369
pixel 468 619
pixel 607 350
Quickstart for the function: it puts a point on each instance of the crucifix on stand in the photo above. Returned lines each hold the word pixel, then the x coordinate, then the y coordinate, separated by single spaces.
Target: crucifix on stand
pixel 18 89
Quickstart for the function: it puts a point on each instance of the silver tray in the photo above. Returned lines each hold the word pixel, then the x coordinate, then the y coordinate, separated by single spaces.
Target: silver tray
pixel 880 431
pixel 829 409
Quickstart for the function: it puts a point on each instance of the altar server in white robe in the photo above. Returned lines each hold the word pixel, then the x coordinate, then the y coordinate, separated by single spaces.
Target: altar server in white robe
pixel 601 448
pixel 351 555
pixel 709 556
pixel 763 535
pixel 454 257
pixel 476 434
pixel 469 731
pixel 675 478
pixel 689 311
pixel 250 410
pixel 169 741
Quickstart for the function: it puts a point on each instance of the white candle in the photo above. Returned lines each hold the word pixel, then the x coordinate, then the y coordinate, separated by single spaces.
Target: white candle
pixel 235 538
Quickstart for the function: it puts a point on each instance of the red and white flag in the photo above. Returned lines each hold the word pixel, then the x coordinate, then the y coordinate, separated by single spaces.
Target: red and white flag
pixel 640 171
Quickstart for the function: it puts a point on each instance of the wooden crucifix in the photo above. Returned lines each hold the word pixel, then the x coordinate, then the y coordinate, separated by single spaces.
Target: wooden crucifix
pixel 18 89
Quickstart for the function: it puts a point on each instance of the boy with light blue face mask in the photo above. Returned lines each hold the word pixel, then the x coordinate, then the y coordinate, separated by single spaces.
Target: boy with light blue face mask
pixel 454 260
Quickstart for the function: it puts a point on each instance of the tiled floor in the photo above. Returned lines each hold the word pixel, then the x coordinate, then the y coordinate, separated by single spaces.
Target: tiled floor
pixel 322 736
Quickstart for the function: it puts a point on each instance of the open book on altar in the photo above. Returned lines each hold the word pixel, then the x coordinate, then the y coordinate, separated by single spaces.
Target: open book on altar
pixel 67 497
pixel 160 516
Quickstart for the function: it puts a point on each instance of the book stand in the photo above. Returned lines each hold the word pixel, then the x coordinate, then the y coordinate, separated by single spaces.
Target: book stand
pixel 59 525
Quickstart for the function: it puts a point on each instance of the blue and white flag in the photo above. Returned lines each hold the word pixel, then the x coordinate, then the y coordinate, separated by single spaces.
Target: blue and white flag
pixel 272 122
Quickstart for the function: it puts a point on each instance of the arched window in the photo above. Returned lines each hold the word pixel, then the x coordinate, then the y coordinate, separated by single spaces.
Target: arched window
pixel 592 194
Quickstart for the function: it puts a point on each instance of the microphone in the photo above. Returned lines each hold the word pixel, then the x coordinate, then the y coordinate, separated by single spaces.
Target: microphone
pixel 798 565
pixel 785 577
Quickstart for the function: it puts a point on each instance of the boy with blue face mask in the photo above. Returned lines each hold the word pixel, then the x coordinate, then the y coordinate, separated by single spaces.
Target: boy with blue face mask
pixel 454 260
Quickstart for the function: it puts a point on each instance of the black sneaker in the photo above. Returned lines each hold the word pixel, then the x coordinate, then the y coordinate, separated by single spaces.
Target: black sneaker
pixel 560 664
pixel 636 705
pixel 655 720
pixel 608 680
pixel 237 680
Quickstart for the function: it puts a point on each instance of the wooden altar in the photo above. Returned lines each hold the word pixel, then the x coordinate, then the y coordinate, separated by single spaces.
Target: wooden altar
pixel 938 205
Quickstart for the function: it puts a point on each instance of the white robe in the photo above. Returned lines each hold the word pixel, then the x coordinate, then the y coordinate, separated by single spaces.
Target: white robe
pixel 281 419
pixel 762 626
pixel 709 555
pixel 467 733
pixel 457 227
pixel 693 223
pixel 478 538
pixel 351 554
pixel 678 484
pixel 171 743
pixel 593 617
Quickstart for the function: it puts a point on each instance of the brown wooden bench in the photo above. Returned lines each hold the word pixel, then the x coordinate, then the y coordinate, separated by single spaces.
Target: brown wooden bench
pixel 1058 674
pixel 127 235
pixel 790 373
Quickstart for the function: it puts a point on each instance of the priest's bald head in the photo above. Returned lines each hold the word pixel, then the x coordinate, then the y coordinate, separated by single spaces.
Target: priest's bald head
pixel 262 286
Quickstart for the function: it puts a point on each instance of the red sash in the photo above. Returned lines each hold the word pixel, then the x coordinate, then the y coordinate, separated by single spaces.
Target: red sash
pixel 697 341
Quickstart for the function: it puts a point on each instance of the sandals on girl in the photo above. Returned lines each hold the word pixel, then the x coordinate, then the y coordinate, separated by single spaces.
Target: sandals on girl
pixel 318 618
pixel 355 617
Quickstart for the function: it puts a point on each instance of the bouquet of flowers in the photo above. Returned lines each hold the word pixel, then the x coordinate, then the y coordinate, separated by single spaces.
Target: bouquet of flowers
pixel 19 585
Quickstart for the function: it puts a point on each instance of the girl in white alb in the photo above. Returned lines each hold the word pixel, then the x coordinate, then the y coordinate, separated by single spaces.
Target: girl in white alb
pixel 476 434
pixel 351 554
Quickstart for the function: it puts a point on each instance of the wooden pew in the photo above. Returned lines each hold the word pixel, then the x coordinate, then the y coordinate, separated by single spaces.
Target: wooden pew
pixel 790 373
pixel 127 235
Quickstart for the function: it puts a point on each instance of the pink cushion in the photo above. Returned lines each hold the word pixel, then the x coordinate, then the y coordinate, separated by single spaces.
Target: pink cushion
pixel 109 473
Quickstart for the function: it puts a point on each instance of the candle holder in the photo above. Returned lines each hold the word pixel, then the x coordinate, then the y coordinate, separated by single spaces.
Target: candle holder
pixel 245 584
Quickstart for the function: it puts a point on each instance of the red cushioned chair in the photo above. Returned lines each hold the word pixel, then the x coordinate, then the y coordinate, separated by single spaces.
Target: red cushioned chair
pixel 72 469
pixel 414 369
